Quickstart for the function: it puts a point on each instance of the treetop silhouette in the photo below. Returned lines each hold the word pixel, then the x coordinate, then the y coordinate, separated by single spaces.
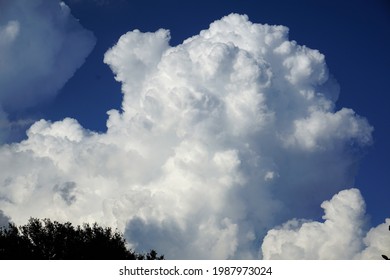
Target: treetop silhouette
pixel 45 239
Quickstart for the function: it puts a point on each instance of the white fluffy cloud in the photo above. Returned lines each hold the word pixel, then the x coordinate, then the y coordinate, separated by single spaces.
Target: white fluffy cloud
pixel 341 236
pixel 41 46
pixel 219 139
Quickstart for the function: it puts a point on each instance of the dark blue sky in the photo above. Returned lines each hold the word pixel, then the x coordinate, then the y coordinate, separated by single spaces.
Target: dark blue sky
pixel 354 36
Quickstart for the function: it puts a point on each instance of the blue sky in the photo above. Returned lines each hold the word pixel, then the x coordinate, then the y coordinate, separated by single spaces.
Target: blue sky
pixel 154 158
pixel 353 36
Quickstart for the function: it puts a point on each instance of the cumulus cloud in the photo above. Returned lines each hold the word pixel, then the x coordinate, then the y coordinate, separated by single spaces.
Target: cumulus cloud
pixel 218 140
pixel 376 242
pixel 341 236
pixel 41 46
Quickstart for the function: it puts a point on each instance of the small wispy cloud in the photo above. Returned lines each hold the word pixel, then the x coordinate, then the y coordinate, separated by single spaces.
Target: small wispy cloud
pixel 41 46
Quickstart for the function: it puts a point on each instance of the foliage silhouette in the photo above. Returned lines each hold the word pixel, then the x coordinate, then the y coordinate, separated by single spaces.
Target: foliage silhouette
pixel 44 239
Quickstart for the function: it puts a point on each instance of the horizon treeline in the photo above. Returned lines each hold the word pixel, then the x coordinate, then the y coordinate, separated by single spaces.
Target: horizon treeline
pixel 51 240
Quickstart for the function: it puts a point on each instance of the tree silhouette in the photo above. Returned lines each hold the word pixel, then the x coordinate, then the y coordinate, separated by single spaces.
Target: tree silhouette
pixel 384 256
pixel 44 239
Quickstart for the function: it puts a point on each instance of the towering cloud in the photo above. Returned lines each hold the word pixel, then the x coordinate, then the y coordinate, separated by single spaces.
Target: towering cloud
pixel 218 140
pixel 41 46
